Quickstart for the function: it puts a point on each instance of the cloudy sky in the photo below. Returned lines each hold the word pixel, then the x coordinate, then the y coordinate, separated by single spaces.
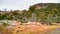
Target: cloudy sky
pixel 22 4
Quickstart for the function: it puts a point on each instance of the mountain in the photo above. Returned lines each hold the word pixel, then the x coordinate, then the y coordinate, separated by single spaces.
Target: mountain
pixel 44 5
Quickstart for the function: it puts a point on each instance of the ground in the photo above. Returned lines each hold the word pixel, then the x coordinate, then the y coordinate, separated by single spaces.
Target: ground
pixel 33 29
pixel 30 29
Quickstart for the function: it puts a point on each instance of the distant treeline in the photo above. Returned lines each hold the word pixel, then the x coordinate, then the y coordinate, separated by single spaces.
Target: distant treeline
pixel 41 12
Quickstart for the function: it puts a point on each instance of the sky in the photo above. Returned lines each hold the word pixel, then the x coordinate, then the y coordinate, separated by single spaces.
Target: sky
pixel 22 4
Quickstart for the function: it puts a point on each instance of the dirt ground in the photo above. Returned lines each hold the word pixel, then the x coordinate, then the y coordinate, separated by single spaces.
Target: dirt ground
pixel 30 29
pixel 33 29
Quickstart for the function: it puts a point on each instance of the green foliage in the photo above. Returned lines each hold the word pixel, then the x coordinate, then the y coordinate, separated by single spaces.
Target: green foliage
pixel 4 24
pixel 49 14
pixel 32 8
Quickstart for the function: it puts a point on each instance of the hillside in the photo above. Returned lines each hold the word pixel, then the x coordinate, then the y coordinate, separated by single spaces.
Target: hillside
pixel 41 12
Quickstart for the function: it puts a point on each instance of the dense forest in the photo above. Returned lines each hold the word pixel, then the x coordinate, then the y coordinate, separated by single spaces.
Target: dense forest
pixel 41 12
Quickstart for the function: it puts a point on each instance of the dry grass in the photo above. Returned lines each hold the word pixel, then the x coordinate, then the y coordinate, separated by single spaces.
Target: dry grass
pixel 31 29
pixel 34 29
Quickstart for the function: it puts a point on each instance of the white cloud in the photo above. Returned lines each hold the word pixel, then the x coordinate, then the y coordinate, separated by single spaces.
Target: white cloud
pixel 22 4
